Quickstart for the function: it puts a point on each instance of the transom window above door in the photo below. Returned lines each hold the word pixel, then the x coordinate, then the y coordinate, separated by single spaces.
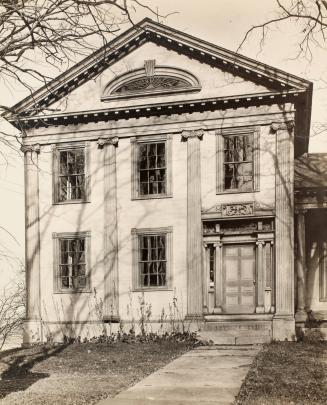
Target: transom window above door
pixel 151 167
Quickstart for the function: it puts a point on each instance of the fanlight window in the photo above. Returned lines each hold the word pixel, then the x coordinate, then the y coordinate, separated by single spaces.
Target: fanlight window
pixel 152 83
pixel 141 82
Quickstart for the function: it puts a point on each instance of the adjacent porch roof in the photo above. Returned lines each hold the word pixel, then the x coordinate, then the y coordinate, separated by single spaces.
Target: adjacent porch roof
pixel 310 181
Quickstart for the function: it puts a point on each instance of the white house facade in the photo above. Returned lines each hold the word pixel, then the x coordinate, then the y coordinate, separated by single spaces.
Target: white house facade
pixel 159 173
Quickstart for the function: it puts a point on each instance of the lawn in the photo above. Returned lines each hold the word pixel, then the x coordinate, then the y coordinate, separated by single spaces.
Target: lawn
pixel 287 373
pixel 79 373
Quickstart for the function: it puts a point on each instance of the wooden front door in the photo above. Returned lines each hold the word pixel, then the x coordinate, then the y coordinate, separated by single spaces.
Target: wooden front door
pixel 239 279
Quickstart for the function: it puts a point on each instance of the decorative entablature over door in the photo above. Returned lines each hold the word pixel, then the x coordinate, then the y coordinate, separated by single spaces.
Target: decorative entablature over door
pixel 238 259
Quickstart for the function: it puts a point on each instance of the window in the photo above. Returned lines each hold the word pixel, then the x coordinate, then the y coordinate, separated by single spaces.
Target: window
pixel 151 171
pixel 71 270
pixel 151 258
pixel 322 249
pixel 70 174
pixel 151 80
pixel 237 160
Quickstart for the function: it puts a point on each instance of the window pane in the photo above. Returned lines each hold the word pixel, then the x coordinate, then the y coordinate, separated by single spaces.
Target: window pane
pixel 144 176
pixel 153 280
pixel 144 188
pixel 80 161
pixel 64 271
pixel 65 282
pixel 161 149
pixel 81 282
pixel 63 163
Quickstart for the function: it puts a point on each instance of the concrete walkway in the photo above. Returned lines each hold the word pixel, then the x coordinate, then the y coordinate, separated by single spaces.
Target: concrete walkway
pixel 204 376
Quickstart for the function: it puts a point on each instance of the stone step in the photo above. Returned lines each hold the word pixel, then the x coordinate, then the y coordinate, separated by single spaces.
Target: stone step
pixel 218 338
pixel 239 327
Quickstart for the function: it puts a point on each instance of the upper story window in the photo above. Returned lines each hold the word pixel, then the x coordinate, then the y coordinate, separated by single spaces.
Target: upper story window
pixel 151 167
pixel 151 80
pixel 237 160
pixel 70 179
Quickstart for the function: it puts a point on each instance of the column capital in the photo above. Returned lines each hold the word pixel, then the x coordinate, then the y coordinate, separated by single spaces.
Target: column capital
pixel 282 126
pixel 31 148
pixel 260 242
pixel 300 211
pixel 188 134
pixel 107 141
pixel 218 244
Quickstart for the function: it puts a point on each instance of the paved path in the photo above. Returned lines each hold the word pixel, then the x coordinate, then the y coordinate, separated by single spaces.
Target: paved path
pixel 204 376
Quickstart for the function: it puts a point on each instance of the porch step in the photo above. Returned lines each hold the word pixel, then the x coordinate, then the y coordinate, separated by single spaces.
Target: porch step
pixel 219 339
pixel 236 331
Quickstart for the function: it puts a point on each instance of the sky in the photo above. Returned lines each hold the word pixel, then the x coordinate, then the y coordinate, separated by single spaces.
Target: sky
pixel 222 22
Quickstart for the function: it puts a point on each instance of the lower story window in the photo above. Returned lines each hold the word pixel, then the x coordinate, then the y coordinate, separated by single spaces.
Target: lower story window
pixel 151 262
pixel 71 262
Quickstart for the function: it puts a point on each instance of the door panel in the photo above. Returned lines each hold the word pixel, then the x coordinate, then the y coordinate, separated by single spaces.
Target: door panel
pixel 238 278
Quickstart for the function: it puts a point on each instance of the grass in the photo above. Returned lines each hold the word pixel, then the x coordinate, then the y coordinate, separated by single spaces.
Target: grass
pixel 287 373
pixel 79 374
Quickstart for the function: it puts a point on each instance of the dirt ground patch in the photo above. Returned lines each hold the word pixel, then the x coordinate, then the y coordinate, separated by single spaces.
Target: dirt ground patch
pixel 79 374
pixel 287 373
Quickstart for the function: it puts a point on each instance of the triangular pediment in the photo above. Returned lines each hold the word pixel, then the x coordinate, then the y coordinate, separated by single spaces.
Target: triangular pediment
pixel 174 78
pixel 254 77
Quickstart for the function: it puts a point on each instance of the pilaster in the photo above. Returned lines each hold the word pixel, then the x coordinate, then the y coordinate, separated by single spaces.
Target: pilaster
pixel 110 232
pixel 260 308
pixel 194 225
pixel 206 260
pixel 284 324
pixel 301 272
pixel 32 324
pixel 218 277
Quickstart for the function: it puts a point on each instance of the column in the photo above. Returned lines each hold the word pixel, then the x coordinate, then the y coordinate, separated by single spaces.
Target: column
pixel 218 278
pixel 260 307
pixel 110 257
pixel 301 272
pixel 194 225
pixel 283 323
pixel 32 323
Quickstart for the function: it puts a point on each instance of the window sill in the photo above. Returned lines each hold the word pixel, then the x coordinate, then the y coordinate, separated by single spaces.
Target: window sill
pixel 88 291
pixel 152 197
pixel 236 192
pixel 149 289
pixel 71 202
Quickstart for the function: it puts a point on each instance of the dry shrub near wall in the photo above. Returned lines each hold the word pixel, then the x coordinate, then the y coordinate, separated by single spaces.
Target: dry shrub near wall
pixel 172 327
pixel 12 310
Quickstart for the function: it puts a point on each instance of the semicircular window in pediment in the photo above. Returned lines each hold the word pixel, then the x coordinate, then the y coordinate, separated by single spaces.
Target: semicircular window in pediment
pixel 152 83
pixel 151 80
